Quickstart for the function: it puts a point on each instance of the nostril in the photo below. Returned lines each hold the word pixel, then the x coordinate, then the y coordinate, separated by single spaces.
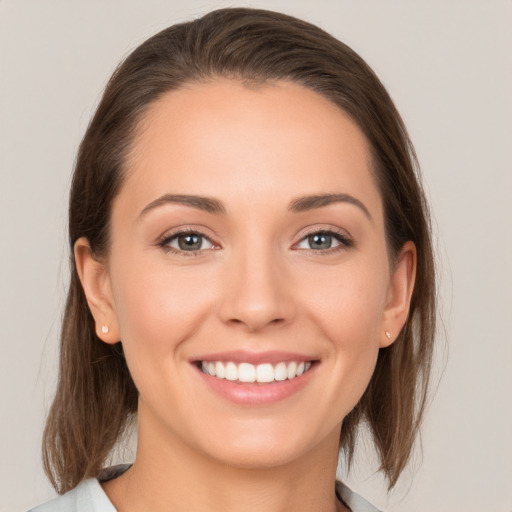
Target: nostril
pixel 256 306
pixel 255 324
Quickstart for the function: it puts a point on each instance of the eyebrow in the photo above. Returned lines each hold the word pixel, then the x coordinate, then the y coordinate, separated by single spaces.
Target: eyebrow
pixel 208 204
pixel 306 203
pixel 211 205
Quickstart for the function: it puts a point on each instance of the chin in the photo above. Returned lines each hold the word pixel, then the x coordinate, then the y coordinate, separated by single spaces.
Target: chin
pixel 258 455
pixel 260 445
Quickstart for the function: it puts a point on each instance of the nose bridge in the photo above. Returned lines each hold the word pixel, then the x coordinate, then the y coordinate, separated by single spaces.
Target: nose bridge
pixel 256 294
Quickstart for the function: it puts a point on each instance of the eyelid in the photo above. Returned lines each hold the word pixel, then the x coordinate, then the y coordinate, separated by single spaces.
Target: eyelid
pixel 341 235
pixel 171 234
pixel 344 238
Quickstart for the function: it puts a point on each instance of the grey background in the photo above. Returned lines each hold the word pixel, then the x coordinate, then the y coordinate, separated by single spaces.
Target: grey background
pixel 448 66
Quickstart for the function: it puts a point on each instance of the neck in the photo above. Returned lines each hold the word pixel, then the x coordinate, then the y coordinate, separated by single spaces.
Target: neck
pixel 172 475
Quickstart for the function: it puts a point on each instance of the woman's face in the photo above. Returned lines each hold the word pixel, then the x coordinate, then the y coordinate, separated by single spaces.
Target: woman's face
pixel 248 241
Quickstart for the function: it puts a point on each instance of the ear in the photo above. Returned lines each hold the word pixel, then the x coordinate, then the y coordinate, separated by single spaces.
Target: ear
pixel 95 279
pixel 399 296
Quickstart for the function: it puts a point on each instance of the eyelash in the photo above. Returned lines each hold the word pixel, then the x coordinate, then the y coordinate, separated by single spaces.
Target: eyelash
pixel 167 239
pixel 345 242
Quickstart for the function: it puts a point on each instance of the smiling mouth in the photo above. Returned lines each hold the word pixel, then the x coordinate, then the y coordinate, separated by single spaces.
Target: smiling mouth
pixel 265 373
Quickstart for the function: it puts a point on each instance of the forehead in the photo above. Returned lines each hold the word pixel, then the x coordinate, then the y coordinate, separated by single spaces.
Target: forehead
pixel 258 140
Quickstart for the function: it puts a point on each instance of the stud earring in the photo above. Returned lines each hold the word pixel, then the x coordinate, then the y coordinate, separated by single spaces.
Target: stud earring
pixel 388 335
pixel 104 329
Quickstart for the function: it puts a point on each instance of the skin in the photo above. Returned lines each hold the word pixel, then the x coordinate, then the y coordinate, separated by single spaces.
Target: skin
pixel 256 285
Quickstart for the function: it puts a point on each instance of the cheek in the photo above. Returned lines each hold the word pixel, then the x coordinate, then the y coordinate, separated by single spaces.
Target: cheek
pixel 158 307
pixel 159 310
pixel 350 303
pixel 349 313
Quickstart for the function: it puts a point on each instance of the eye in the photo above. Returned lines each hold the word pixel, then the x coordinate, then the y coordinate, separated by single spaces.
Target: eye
pixel 187 241
pixel 324 240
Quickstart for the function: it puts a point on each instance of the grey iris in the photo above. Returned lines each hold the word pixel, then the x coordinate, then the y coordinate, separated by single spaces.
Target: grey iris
pixel 190 242
pixel 320 241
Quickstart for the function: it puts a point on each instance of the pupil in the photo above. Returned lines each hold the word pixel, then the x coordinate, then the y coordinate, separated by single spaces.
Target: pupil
pixel 320 241
pixel 190 242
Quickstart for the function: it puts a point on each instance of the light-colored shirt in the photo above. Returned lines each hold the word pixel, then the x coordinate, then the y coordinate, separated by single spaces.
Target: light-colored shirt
pixel 89 496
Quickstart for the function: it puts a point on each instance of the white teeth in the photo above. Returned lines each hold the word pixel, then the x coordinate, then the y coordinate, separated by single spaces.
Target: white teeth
pixel 220 371
pixel 262 373
pixel 265 373
pixel 231 371
pixel 280 372
pixel 246 372
pixel 291 370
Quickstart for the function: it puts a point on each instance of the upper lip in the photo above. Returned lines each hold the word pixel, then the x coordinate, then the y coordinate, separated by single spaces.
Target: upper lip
pixel 241 356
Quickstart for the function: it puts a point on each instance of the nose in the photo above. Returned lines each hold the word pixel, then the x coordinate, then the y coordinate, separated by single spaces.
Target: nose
pixel 257 293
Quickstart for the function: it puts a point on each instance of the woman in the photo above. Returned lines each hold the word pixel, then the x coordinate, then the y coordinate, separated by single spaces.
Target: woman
pixel 252 276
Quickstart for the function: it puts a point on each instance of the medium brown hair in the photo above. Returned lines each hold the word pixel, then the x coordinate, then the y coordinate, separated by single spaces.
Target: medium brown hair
pixel 96 396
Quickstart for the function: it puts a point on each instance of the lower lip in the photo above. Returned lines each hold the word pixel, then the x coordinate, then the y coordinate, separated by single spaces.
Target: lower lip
pixel 257 394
